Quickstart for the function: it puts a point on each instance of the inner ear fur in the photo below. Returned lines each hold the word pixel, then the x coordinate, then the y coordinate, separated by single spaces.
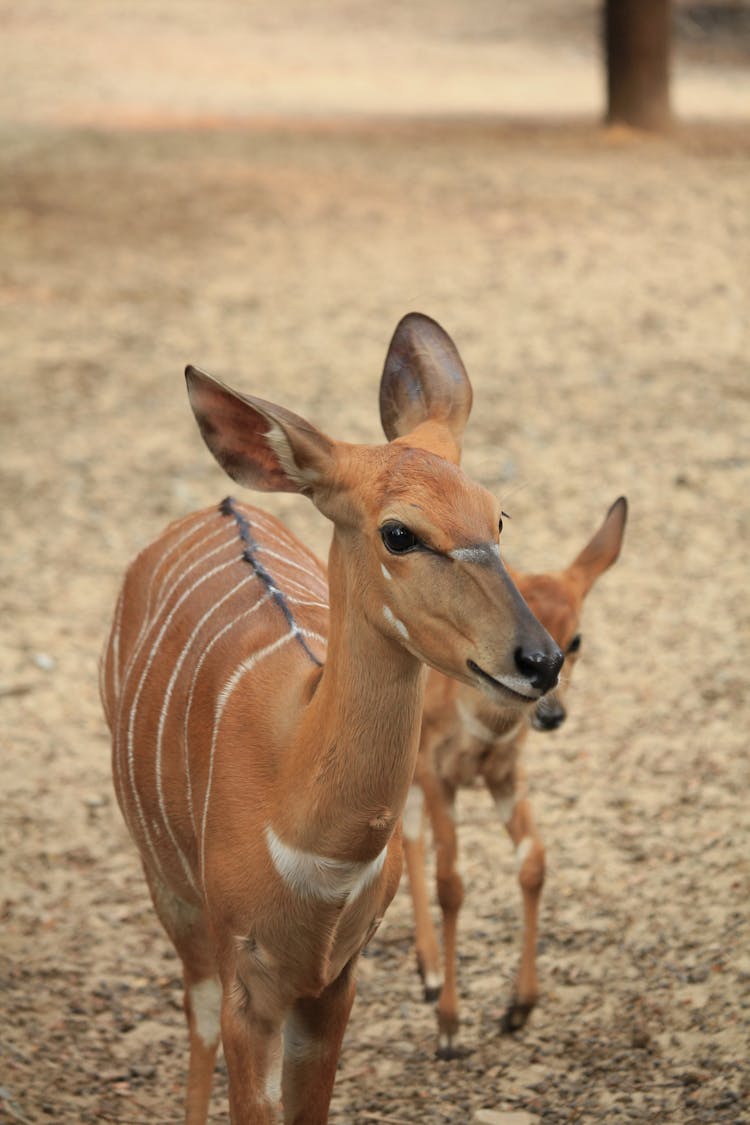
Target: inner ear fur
pixel 424 380
pixel 260 445
pixel 603 548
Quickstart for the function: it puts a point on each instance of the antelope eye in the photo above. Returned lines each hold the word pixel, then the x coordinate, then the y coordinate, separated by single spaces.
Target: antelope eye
pixel 575 644
pixel 398 539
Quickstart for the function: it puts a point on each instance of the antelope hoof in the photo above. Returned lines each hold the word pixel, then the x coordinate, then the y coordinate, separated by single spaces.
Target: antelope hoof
pixel 448 1050
pixel 431 982
pixel 516 1016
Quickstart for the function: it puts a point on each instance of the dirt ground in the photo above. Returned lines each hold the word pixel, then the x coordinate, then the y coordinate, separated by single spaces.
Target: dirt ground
pixel 598 287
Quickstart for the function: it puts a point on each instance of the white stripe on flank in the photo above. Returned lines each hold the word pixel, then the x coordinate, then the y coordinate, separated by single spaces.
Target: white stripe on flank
pixel 115 648
pixel 217 637
pixel 182 561
pixel 270 535
pixel 412 815
pixel 315 876
pixel 136 698
pixel 205 1001
pixel 221 702
pixel 310 605
pixel 151 615
pixel 290 562
pixel 477 729
pixel 291 585
pixel 150 611
pixel 163 718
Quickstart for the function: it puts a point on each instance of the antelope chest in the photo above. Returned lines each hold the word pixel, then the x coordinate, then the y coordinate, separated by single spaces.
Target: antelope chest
pixel 334 906
pixel 480 751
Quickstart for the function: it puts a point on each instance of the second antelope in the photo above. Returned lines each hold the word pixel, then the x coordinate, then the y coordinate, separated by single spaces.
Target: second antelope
pixel 264 744
pixel 467 737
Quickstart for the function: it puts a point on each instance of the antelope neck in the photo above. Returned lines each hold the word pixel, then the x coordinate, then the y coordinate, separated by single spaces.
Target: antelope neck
pixel 348 771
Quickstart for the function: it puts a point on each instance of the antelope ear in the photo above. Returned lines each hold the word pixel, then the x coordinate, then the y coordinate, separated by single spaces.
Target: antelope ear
pixel 603 549
pixel 423 380
pixel 260 445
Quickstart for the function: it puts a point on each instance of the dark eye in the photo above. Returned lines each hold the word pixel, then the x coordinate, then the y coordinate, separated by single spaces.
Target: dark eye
pixel 500 522
pixel 398 539
pixel 575 644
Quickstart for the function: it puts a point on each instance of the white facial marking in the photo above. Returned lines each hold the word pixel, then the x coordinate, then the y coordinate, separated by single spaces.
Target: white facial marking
pixel 522 851
pixel 518 685
pixel 484 554
pixel 205 1001
pixel 386 572
pixel 394 621
pixel 412 819
pixel 316 876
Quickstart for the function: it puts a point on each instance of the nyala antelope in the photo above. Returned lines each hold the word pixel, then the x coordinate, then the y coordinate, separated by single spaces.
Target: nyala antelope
pixel 265 714
pixel 468 737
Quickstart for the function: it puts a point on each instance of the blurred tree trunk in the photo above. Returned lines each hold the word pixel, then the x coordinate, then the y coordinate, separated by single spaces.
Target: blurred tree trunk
pixel 637 36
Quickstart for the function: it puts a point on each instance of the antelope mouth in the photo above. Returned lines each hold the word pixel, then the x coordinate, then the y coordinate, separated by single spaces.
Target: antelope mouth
pixel 514 686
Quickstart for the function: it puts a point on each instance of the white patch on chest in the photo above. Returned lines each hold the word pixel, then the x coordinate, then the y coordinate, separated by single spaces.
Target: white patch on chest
pixel 205 1001
pixel 505 807
pixel 474 727
pixel 315 876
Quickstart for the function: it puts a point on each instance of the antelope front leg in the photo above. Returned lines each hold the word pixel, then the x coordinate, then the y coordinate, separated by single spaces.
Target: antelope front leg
pixel 515 809
pixel 202 1005
pixel 313 1031
pixel 440 802
pixel 428 954
pixel 185 925
pixel 252 1048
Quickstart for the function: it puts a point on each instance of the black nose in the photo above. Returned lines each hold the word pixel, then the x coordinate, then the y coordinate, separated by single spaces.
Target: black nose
pixel 540 668
pixel 547 720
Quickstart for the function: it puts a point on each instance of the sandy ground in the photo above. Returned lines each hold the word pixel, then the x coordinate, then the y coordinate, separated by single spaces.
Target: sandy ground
pixel 155 210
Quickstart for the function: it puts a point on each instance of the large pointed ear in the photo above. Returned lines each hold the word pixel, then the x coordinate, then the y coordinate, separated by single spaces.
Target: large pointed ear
pixel 604 548
pixel 423 380
pixel 258 444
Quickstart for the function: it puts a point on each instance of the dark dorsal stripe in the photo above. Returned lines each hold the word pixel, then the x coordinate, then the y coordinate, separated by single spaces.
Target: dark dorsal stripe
pixel 249 554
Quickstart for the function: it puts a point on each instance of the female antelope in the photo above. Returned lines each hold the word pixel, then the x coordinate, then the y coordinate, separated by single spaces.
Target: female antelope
pixel 264 742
